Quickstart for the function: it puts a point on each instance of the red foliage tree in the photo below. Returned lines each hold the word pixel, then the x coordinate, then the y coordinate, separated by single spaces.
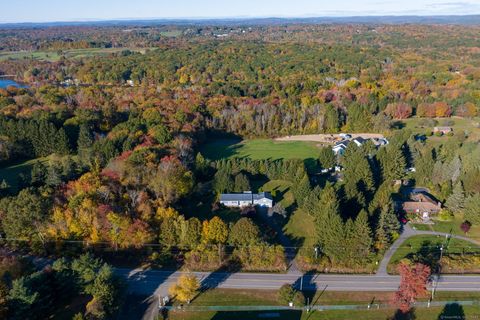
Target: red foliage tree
pixel 399 110
pixel 465 226
pixel 413 284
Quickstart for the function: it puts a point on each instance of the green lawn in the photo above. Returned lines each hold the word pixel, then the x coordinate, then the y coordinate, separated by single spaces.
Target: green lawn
pixel 11 173
pixel 426 249
pixel 54 56
pixel 259 149
pixel 301 229
pixel 280 191
pixel 452 227
pixel 459 125
pixel 230 297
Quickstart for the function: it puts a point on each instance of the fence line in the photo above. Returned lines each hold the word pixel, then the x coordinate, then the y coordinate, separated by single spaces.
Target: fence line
pixel 373 306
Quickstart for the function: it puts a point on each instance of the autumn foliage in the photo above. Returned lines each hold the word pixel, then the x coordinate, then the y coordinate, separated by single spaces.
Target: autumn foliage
pixel 413 284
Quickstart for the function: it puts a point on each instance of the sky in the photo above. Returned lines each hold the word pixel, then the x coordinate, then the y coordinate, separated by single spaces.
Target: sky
pixel 84 10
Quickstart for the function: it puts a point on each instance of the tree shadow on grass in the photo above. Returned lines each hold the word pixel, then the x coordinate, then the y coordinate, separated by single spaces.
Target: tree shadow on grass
pixel 400 315
pixel 263 314
pixel 452 311
pixel 428 254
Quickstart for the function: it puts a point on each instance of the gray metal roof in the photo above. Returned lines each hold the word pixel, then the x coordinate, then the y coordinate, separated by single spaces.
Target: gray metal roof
pixel 261 195
pixel 344 142
pixel 244 196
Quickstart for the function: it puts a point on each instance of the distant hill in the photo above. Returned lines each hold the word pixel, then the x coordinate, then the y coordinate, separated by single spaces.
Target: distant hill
pixel 454 19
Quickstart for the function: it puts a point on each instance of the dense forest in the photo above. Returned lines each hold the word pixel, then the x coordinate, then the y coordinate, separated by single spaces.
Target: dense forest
pixel 112 145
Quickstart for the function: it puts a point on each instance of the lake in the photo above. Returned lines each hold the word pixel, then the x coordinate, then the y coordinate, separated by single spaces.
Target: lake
pixel 7 82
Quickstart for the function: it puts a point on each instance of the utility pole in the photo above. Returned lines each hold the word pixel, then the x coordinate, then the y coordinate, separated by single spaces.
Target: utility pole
pixel 439 269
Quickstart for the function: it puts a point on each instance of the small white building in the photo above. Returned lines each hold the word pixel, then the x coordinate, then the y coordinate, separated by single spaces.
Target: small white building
pixel 247 198
pixel 340 147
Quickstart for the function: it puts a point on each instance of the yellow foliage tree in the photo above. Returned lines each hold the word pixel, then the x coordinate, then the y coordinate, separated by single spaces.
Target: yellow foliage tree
pixel 186 288
pixel 215 231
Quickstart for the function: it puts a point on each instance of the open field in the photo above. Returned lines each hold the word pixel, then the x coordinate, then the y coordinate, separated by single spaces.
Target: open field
pixel 426 249
pixel 259 149
pixel 227 297
pixel 11 173
pixel 55 56
pixel 459 125
pixel 327 137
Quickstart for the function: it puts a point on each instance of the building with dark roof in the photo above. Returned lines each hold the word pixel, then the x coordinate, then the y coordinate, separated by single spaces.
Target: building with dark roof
pixel 247 198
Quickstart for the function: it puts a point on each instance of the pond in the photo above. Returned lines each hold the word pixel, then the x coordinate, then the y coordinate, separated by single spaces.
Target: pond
pixel 7 82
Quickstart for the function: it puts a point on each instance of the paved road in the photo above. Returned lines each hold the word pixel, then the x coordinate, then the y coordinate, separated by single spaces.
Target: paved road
pixel 157 282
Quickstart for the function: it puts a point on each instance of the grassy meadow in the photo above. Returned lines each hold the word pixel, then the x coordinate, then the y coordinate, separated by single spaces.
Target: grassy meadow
pixel 53 56
pixel 230 297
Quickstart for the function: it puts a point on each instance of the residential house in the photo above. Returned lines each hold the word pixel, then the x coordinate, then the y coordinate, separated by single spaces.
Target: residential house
pixel 359 141
pixel 443 130
pixel 247 198
pixel 340 147
pixel 419 202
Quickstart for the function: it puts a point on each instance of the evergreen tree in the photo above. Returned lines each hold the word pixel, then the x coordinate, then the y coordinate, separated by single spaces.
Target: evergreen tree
pixel 37 175
pixel 302 190
pixel 61 142
pixel 361 237
pixel 456 201
pixel 388 227
pixel 326 158
pixel 84 144
pixel 53 176
pixel 328 223
pixel 241 183
pixel 358 176
pixel 392 162
pixel 223 182
pixel 471 211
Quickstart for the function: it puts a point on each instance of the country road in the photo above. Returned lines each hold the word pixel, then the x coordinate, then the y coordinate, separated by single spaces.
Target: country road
pixel 157 282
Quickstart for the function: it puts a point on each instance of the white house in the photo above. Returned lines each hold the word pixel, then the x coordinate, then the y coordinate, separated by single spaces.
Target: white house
pixel 340 147
pixel 247 198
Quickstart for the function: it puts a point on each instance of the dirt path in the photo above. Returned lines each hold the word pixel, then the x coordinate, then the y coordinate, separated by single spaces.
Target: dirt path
pixel 328 138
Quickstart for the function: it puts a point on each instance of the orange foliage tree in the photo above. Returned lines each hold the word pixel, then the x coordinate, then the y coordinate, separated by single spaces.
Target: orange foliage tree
pixel 413 284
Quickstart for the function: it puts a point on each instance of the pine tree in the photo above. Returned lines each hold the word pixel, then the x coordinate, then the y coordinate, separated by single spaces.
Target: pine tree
pixel 388 227
pixel 223 182
pixel 392 162
pixel 85 139
pixel 358 176
pixel 456 201
pixel 361 237
pixel 326 158
pixel 241 183
pixel 302 190
pixel 84 145
pixel 61 142
pixel 328 223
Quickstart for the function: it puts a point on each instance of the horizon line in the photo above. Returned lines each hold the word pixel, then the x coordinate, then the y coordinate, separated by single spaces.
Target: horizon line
pixel 238 18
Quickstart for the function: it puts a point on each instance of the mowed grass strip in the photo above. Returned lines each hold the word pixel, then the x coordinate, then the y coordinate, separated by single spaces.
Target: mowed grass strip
pixel 259 149
pixel 233 297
